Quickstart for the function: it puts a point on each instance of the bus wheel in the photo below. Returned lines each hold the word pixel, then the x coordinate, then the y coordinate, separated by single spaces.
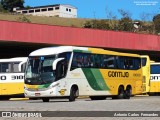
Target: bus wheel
pixel 120 93
pixel 45 99
pixel 128 93
pixel 73 93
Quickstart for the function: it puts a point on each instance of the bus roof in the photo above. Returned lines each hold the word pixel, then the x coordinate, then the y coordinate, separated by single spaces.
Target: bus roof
pixel 155 63
pixel 61 49
pixel 14 59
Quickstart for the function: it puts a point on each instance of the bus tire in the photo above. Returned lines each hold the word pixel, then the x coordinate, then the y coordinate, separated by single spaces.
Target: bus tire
pixel 45 99
pixel 120 93
pixel 127 93
pixel 73 93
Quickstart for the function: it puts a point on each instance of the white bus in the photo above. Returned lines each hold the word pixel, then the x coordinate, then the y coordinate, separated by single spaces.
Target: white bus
pixel 68 71
pixel 12 77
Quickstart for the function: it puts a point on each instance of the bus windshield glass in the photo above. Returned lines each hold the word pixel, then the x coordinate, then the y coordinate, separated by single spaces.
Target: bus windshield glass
pixel 39 70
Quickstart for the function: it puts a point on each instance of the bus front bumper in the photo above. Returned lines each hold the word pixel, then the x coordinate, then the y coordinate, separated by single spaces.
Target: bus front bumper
pixel 38 94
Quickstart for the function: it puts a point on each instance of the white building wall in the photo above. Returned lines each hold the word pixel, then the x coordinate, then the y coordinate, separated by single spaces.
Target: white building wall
pixel 63 11
pixel 66 11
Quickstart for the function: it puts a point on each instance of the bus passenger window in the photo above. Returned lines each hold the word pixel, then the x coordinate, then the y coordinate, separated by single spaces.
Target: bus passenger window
pixel 137 63
pixel 23 67
pixel 120 63
pixel 86 60
pixel 79 61
pixel 5 67
pixel 130 61
pixel 111 62
pixel 74 62
pixel 15 67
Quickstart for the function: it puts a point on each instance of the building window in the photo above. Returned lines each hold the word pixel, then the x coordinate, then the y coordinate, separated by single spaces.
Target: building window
pixel 69 10
pixel 50 9
pixel 43 10
pixel 31 11
pixel 66 9
pixel 56 8
pixel 37 10
pixel 25 11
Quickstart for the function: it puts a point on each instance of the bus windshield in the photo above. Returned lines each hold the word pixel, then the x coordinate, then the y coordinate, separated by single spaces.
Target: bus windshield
pixel 39 70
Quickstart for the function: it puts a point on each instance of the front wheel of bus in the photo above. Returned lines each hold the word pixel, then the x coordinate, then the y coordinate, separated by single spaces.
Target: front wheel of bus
pixel 45 99
pixel 73 94
pixel 120 93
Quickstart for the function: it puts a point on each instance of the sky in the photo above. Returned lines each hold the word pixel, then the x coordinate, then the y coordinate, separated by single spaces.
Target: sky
pixel 99 9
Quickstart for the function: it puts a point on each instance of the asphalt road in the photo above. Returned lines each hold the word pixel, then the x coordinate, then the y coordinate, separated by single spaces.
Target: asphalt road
pixel 139 104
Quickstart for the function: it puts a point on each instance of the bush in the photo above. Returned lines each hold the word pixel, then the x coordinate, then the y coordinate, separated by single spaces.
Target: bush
pixel 125 24
pixel 23 19
pixel 97 24
pixel 156 21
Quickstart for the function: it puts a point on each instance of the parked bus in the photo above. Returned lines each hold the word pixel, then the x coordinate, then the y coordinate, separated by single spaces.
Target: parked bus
pixel 155 79
pixel 68 71
pixel 146 74
pixel 12 77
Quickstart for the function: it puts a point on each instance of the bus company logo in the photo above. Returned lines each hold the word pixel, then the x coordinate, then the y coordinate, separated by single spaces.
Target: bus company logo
pixel 62 91
pixel 118 74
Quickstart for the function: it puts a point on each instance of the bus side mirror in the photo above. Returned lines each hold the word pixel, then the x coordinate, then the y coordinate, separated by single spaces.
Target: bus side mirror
pixel 55 63
pixel 20 66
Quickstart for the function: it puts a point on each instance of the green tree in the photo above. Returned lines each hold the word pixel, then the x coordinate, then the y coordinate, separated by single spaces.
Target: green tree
pixel 125 24
pixel 10 4
pixel 156 21
pixel 97 24
pixel 1 8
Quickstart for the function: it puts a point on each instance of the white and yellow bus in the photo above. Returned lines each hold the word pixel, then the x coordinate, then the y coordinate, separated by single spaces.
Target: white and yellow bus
pixel 155 79
pixel 12 77
pixel 146 73
pixel 68 71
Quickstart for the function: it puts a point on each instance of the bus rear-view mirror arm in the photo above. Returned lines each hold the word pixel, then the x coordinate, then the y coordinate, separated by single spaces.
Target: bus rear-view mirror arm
pixel 55 63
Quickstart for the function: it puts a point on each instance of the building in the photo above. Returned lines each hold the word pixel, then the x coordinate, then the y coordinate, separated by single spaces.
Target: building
pixel 58 10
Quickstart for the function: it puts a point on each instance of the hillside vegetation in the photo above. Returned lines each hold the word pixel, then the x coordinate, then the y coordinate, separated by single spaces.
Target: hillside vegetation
pixel 44 20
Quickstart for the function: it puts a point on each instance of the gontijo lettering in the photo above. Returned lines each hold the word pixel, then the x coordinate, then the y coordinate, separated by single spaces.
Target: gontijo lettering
pixel 118 74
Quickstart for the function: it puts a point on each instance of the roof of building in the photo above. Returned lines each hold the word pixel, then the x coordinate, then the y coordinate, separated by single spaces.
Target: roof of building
pixel 55 5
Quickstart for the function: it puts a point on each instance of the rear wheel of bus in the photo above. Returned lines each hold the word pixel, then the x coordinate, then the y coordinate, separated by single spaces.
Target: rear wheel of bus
pixel 128 92
pixel 74 93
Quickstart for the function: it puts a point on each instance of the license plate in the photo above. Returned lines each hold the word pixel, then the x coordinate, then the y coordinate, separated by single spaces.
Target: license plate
pixel 37 94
